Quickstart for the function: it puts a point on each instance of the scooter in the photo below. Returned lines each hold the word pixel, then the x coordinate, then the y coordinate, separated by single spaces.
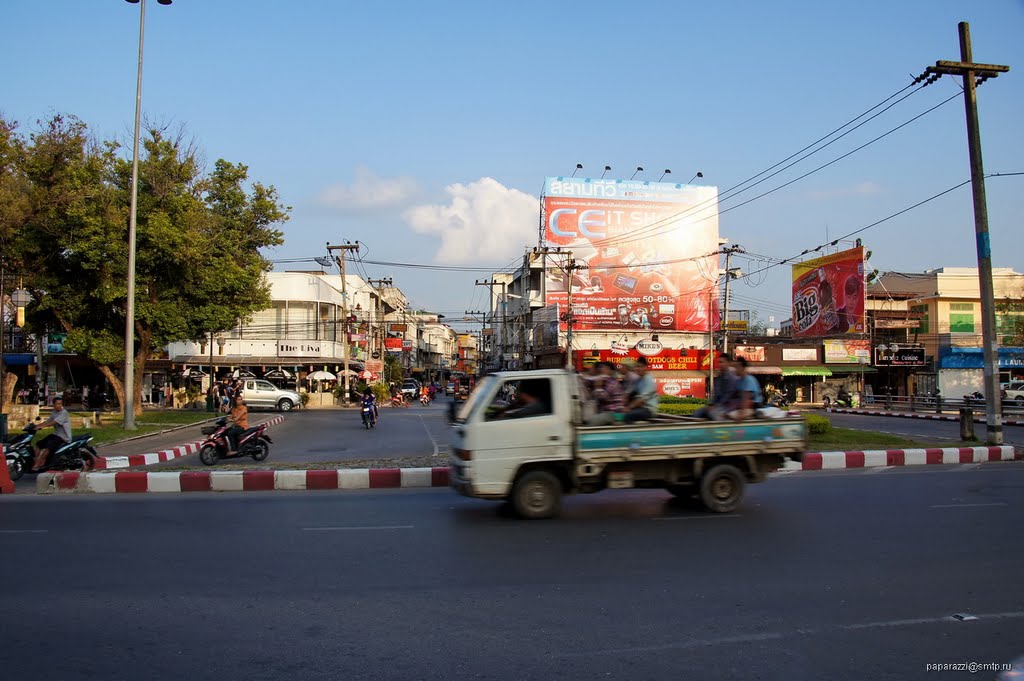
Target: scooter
pixel 19 453
pixel 77 455
pixel 425 400
pixel 253 442
pixel 369 415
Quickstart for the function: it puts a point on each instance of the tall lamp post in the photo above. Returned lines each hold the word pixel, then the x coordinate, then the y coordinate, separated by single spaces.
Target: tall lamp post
pixel 129 313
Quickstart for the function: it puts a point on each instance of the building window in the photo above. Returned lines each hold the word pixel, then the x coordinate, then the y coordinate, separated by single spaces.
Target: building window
pixel 923 309
pixel 961 317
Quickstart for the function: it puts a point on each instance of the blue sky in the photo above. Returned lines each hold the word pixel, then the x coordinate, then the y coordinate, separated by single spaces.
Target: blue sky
pixel 423 129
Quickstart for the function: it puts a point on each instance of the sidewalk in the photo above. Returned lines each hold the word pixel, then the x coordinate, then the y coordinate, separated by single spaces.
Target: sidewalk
pixel 979 417
pixel 156 441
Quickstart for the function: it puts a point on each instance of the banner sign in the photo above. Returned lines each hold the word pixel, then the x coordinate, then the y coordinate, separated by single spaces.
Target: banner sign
pixel 847 351
pixel 664 360
pixel 751 353
pixel 646 253
pixel 828 294
pixel 406 345
pixel 799 355
pixel 681 387
pixel 393 344
pixel 904 357
pixel 398 328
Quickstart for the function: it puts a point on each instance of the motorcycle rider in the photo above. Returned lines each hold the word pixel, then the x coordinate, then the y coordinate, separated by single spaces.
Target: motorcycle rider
pixel 368 400
pixel 61 422
pixel 239 419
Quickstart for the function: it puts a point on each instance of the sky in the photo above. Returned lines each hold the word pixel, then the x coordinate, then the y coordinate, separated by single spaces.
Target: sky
pixel 425 130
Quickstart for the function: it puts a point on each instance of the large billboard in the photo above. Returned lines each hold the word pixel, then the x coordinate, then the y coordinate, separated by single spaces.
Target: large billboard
pixel 646 253
pixel 828 295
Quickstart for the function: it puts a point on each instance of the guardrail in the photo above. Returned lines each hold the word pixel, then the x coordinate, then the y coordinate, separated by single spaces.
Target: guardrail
pixel 933 404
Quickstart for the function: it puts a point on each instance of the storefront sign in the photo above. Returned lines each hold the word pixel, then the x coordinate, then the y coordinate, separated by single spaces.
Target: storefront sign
pixel 666 360
pixel 904 357
pixel 649 348
pixel 681 387
pixel 298 350
pixel 751 353
pixel 799 355
pixel 847 351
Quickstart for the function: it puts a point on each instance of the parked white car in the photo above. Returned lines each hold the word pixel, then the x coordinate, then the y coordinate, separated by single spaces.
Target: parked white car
pixel 266 395
pixel 1015 392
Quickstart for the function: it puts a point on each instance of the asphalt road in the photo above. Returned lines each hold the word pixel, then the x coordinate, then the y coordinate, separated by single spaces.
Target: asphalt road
pixel 921 429
pixel 845 575
pixel 327 435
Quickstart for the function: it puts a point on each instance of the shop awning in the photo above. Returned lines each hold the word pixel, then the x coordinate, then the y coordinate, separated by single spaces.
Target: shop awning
pixel 806 371
pixel 852 368
pixel 762 369
pixel 13 359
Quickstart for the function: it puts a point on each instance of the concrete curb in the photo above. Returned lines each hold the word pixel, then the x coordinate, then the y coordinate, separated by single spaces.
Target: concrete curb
pixel 927 417
pixel 384 478
pixel 109 462
pixel 239 481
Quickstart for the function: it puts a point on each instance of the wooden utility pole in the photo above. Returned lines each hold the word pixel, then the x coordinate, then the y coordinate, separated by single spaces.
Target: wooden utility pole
pixel 973 75
pixel 340 259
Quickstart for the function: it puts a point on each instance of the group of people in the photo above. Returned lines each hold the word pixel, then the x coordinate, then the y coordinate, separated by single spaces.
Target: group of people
pixel 737 393
pixel 627 394
pixel 223 393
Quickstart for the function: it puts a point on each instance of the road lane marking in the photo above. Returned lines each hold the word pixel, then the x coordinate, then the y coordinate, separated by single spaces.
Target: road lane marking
pixel 770 636
pixel 23 531
pixel 367 527
pixel 699 517
pixel 1000 503
pixel 429 434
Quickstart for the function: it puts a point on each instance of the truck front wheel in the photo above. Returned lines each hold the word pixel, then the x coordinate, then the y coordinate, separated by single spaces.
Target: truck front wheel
pixel 721 488
pixel 536 495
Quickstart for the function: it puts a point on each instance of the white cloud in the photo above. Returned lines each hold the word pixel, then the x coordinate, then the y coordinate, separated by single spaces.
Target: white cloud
pixel 368 193
pixel 484 222
pixel 867 188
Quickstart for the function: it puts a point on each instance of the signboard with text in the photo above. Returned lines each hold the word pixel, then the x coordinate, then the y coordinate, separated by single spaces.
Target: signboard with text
pixel 645 252
pixel 828 294
pixel 751 353
pixel 847 351
pixel 903 357
pixel 665 360
pixel 799 355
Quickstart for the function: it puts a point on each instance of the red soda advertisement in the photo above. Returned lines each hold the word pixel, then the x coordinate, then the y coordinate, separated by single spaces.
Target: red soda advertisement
pixel 828 295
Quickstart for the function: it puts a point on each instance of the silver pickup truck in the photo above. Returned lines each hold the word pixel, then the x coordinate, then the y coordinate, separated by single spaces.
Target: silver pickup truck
pixel 533 457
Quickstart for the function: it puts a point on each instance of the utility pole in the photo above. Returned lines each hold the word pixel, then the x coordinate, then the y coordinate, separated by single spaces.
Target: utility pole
pixel 973 75
pixel 728 276
pixel 340 259
pixel 711 343
pixel 379 310
pixel 570 267
pixel 474 314
pixel 490 284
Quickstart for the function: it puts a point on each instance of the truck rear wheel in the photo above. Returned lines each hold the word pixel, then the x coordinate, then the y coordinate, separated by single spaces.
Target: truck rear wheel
pixel 721 488
pixel 536 495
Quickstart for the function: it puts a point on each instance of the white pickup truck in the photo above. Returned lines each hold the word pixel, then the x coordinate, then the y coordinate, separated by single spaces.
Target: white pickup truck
pixel 532 459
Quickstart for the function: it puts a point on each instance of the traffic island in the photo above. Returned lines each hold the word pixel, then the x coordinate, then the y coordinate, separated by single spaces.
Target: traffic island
pixel 437 476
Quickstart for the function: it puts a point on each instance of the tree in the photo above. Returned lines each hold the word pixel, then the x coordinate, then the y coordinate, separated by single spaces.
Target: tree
pixel 198 265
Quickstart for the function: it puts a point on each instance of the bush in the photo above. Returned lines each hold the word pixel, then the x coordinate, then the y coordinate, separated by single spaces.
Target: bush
pixel 304 398
pixel 669 399
pixel 818 425
pixel 680 409
pixel 381 393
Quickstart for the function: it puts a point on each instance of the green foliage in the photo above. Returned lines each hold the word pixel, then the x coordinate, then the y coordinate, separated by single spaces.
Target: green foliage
pixel 64 214
pixel 393 372
pixel 818 425
pixel 381 393
pixel 669 399
pixel 678 408
pixel 304 398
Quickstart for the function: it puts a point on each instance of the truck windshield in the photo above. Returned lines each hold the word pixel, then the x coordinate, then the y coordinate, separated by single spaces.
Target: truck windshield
pixel 475 398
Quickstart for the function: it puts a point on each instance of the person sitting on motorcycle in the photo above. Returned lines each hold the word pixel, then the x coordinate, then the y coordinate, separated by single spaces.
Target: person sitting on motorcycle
pixel 239 419
pixel 368 400
pixel 61 422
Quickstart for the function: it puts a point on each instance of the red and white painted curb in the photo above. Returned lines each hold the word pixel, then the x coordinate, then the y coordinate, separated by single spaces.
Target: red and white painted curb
pixel 384 478
pixel 108 462
pixel 927 417
pixel 240 481
pixel 816 461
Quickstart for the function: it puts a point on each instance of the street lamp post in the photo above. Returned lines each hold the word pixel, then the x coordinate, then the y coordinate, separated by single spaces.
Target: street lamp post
pixel 129 313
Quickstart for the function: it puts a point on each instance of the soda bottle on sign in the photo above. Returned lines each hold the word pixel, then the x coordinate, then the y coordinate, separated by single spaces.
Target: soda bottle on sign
pixel 829 318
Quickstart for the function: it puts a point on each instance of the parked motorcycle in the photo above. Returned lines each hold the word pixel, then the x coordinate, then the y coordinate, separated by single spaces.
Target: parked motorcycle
pixel 369 415
pixel 253 442
pixel 77 455
pixel 19 453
